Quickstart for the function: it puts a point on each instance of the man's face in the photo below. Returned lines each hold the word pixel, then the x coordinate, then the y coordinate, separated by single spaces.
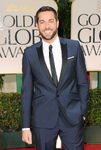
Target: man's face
pixel 47 25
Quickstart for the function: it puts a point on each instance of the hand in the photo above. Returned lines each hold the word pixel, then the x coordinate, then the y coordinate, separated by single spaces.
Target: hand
pixel 27 136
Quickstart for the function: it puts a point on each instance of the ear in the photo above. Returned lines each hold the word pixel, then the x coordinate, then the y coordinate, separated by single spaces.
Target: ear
pixel 57 23
pixel 36 25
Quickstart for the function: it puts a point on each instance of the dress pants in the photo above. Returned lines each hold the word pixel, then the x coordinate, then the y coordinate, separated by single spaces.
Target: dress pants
pixel 71 136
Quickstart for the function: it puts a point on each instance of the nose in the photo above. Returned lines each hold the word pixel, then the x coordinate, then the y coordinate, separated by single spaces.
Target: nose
pixel 47 25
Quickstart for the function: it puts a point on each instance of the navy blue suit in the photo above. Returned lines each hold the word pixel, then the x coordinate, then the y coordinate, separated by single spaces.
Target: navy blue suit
pixel 70 96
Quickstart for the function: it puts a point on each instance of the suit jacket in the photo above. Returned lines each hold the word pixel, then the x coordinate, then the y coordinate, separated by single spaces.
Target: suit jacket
pixel 40 92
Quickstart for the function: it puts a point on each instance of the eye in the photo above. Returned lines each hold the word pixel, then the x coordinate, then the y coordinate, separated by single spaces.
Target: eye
pixel 41 21
pixel 51 20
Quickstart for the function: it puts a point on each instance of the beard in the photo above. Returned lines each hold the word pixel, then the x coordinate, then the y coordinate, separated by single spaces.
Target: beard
pixel 51 37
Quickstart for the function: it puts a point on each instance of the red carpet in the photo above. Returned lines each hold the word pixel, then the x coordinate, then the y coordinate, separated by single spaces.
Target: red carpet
pixel 92 147
pixel 86 147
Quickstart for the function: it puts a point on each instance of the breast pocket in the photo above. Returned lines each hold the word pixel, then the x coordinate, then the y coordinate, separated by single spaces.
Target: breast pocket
pixel 71 65
pixel 70 60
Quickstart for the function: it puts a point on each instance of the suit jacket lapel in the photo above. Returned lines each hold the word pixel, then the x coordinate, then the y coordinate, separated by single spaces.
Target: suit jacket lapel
pixel 64 59
pixel 43 64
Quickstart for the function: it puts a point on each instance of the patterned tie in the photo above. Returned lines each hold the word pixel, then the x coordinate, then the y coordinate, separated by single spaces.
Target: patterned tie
pixel 52 65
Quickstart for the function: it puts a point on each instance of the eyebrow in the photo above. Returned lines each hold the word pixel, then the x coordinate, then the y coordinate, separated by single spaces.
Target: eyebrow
pixel 49 19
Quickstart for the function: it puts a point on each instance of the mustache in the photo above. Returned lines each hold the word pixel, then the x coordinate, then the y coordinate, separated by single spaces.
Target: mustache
pixel 47 29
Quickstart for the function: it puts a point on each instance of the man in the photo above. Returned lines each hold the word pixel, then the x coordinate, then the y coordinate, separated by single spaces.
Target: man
pixel 55 84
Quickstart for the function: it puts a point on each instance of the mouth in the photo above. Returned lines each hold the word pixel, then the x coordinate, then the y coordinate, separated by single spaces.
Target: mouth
pixel 47 32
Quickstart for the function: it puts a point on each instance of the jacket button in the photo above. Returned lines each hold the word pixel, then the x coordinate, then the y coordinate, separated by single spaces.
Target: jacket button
pixel 57 94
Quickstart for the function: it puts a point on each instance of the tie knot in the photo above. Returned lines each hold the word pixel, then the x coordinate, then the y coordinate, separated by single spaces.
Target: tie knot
pixel 50 48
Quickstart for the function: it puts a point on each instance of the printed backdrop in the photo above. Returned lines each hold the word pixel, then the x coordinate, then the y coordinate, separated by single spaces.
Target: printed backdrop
pixel 18 31
pixel 86 28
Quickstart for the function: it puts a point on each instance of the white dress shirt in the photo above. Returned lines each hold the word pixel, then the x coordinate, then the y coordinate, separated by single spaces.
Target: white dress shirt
pixel 57 54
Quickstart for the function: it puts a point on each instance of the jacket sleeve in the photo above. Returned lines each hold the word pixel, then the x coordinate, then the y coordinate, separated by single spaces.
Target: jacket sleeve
pixel 82 79
pixel 26 92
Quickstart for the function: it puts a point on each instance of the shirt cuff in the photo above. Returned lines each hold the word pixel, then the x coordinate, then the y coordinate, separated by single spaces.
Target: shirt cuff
pixel 84 118
pixel 23 129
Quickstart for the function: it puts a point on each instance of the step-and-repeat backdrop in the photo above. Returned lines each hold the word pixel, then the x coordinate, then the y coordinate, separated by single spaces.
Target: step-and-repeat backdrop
pixel 18 31
pixel 86 28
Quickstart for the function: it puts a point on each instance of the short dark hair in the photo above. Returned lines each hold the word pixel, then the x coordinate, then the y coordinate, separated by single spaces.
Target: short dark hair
pixel 43 9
